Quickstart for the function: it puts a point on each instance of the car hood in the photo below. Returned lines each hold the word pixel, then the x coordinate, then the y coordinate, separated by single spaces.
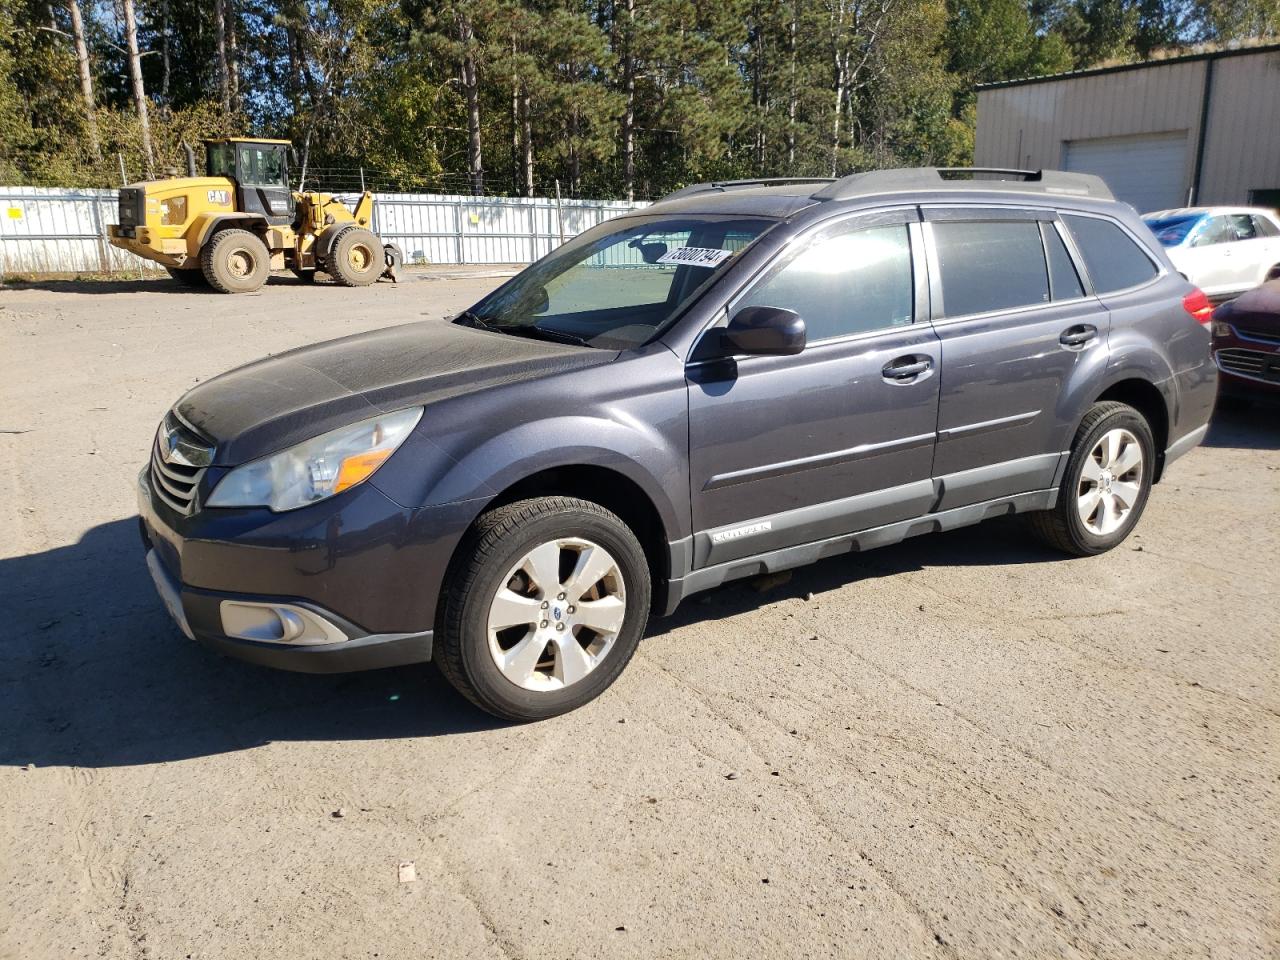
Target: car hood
pixel 1258 310
pixel 276 402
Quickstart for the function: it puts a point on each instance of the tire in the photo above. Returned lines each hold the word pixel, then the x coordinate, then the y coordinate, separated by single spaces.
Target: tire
pixel 355 259
pixel 554 664
pixel 188 278
pixel 235 261
pixel 1064 527
pixel 1273 274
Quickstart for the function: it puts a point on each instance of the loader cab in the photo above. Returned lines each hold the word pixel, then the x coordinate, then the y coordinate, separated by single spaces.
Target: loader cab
pixel 260 171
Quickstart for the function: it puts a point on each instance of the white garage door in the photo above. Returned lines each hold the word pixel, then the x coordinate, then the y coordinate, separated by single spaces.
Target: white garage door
pixel 1147 171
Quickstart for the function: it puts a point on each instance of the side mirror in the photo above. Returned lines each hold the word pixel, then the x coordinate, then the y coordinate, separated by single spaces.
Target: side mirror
pixel 765 331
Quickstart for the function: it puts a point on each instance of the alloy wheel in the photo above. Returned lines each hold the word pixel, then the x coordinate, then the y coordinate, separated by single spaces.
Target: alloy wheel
pixel 1110 482
pixel 557 614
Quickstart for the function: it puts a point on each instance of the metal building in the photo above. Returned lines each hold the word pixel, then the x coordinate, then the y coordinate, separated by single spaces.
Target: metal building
pixel 1201 129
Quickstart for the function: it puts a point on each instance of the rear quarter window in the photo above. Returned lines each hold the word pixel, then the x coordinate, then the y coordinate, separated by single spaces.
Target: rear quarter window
pixel 1114 260
pixel 1265 227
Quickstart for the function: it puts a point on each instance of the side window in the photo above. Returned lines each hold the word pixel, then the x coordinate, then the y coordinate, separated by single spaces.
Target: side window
pixel 1264 227
pixel 843 283
pixel 990 265
pixel 1215 230
pixel 1064 282
pixel 1113 259
pixel 260 167
pixel 1242 224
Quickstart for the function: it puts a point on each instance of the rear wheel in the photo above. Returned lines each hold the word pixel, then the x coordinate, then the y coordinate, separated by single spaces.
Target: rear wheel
pixel 1274 273
pixel 192 277
pixel 356 258
pixel 543 608
pixel 235 261
pixel 1107 482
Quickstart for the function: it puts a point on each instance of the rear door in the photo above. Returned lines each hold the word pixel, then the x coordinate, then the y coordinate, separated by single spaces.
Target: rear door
pixel 1014 320
pixel 1210 258
pixel 840 437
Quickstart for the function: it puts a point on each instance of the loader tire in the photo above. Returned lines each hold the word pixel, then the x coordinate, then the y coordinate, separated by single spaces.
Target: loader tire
pixel 355 259
pixel 235 261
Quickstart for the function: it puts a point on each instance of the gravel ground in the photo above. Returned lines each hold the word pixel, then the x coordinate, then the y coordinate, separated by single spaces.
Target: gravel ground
pixel 962 746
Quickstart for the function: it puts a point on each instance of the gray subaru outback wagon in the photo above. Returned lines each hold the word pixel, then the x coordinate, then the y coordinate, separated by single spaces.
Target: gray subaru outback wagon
pixel 740 378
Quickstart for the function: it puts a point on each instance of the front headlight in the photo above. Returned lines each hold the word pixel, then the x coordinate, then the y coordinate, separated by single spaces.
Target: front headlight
pixel 316 468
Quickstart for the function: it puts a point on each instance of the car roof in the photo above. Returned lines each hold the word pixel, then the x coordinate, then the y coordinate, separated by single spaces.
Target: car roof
pixel 1208 212
pixel 782 198
pixel 767 201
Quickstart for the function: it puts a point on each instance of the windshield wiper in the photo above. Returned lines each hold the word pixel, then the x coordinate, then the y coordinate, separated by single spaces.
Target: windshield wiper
pixel 471 319
pixel 541 333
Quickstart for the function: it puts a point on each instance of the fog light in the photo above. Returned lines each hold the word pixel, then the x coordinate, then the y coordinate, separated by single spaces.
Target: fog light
pixel 277 623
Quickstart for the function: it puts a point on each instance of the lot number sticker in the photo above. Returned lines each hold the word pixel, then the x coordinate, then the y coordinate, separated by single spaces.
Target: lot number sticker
pixel 696 256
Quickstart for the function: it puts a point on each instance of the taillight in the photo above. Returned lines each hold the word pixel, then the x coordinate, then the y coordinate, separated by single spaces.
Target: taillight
pixel 1198 305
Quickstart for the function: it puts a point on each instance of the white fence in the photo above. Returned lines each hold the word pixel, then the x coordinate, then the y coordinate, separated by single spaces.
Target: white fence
pixel 56 230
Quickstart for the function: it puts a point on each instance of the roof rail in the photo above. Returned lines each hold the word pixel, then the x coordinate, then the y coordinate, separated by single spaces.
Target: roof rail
pixel 722 185
pixel 965 178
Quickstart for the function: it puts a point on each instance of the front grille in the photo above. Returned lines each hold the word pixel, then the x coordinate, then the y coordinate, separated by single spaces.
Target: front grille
pixel 178 460
pixel 1257 364
pixel 1262 336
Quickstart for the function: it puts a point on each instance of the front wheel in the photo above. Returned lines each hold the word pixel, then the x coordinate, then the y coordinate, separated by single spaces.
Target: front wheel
pixel 356 258
pixel 1107 482
pixel 543 607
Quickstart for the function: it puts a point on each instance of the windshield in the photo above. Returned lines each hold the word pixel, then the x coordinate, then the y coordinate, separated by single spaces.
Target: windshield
pixel 1171 231
pixel 619 284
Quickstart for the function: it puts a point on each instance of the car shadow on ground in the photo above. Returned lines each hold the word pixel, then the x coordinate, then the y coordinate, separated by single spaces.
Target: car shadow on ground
pixel 94 674
pixel 1250 425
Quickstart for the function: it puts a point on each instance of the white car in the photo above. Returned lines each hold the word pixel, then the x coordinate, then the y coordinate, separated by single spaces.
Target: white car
pixel 1222 250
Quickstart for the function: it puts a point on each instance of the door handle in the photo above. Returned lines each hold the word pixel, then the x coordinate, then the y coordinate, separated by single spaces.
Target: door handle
pixel 1079 336
pixel 906 369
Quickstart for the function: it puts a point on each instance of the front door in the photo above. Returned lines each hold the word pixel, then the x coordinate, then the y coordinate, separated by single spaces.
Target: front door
pixel 838 438
pixel 262 182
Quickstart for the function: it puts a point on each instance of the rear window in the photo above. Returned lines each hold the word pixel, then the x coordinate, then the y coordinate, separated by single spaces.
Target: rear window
pixel 1171 231
pixel 1113 259
pixel 990 265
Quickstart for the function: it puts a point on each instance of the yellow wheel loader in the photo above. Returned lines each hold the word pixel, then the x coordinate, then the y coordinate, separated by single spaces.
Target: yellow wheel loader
pixel 230 228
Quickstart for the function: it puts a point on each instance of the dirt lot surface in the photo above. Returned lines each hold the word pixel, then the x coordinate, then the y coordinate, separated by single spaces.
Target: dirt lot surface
pixel 962 746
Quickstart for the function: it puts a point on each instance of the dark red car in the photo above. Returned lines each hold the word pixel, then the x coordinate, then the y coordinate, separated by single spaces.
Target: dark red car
pixel 1246 342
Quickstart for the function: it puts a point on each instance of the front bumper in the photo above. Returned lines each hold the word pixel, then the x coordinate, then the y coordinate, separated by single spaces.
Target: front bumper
pixel 354 652
pixel 1246 364
pixel 359 573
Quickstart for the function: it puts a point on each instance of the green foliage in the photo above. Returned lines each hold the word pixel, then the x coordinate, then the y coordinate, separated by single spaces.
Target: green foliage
pixel 515 95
